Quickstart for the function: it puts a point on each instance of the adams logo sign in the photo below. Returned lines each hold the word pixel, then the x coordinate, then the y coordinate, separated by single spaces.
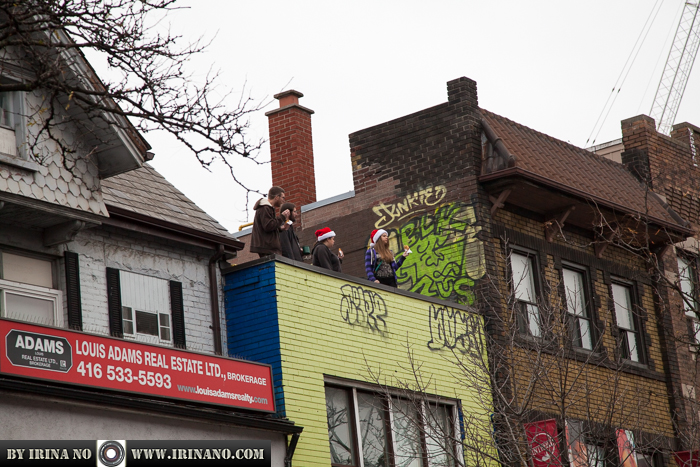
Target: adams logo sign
pixel 41 351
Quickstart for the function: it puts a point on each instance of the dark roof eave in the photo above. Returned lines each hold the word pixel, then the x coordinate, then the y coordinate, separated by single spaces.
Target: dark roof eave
pixel 229 242
pixel 518 172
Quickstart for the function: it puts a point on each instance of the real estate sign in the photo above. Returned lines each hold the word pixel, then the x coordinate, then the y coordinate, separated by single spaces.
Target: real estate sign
pixel 122 365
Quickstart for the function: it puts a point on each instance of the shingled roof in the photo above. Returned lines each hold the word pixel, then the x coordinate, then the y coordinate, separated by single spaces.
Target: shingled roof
pixel 146 192
pixel 576 171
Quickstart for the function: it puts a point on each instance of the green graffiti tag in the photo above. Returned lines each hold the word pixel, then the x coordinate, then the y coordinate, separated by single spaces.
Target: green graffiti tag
pixel 447 256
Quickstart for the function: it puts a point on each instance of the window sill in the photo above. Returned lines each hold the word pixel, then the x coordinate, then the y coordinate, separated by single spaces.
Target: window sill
pixel 17 162
pixel 635 365
pixel 584 351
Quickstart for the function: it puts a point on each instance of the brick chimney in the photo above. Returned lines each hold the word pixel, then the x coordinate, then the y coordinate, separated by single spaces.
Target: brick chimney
pixel 291 149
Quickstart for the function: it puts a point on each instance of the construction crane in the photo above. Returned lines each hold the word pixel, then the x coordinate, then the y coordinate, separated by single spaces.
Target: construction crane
pixel 678 66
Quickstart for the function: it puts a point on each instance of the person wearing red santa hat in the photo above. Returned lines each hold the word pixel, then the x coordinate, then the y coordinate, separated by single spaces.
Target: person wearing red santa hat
pixel 323 256
pixel 380 263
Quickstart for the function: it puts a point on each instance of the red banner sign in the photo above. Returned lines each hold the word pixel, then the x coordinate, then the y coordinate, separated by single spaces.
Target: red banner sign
pixel 122 365
pixel 542 437
pixel 687 458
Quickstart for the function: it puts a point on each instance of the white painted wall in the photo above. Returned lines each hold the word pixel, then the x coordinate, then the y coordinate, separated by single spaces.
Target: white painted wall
pixel 103 247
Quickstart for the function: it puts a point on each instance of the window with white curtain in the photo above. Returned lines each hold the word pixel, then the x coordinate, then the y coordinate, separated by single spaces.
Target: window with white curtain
pixel 687 276
pixel 27 290
pixel 626 323
pixel 523 276
pixel 145 307
pixel 577 307
pixel 373 430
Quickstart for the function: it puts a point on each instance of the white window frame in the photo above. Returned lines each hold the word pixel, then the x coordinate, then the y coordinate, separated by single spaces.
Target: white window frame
pixel 528 309
pixel 585 311
pixel 687 276
pixel 34 291
pixel 355 386
pixel 634 322
pixel 147 337
pixel 141 337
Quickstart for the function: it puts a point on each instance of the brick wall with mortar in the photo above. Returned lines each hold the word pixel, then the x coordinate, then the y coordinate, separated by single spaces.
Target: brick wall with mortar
pixel 291 158
pixel 299 315
pixel 440 147
pixel 403 170
pixel 104 247
pixel 291 149
pixel 643 387
pixel 668 165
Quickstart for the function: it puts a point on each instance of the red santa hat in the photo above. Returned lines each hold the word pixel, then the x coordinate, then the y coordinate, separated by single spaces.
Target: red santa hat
pixel 324 233
pixel 376 233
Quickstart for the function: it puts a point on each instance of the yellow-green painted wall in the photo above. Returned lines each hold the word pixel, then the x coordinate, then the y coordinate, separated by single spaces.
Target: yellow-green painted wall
pixel 319 337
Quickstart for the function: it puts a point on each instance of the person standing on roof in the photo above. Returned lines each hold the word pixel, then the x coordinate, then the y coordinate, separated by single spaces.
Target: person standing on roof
pixel 265 239
pixel 380 264
pixel 323 256
pixel 288 238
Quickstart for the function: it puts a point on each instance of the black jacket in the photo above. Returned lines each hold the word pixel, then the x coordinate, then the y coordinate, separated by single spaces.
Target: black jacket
pixel 324 258
pixel 290 244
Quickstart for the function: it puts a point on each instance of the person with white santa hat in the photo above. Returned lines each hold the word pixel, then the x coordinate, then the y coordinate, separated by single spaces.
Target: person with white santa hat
pixel 380 263
pixel 322 254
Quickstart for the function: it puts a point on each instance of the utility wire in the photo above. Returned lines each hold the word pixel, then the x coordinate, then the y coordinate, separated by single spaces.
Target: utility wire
pixel 662 53
pixel 600 128
pixel 624 72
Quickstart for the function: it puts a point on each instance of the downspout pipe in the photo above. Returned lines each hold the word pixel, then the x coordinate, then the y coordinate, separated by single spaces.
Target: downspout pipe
pixel 498 145
pixel 291 447
pixel 214 293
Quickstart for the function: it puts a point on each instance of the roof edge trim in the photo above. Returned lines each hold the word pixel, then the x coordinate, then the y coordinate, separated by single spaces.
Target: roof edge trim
pixel 519 172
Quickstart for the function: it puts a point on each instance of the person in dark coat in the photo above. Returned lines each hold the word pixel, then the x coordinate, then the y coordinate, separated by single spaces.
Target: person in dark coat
pixel 265 239
pixel 323 256
pixel 288 238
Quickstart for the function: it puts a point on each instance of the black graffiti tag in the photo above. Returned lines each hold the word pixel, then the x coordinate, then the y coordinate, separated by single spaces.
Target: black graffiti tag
pixel 360 307
pixel 453 329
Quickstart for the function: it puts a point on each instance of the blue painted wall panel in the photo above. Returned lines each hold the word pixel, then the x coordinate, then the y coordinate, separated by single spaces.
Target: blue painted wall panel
pixel 250 300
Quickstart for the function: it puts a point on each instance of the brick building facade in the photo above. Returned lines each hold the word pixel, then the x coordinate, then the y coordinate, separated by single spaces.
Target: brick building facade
pixel 668 165
pixel 549 240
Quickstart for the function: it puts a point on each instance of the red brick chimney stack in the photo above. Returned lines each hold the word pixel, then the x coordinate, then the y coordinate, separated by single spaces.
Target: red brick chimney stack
pixel 291 149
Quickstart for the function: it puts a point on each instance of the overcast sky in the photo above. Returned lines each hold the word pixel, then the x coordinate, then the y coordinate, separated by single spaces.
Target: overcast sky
pixel 550 65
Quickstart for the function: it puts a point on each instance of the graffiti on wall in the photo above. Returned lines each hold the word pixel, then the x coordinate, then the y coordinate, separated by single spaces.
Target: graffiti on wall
pixel 448 256
pixel 388 214
pixel 453 329
pixel 360 307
